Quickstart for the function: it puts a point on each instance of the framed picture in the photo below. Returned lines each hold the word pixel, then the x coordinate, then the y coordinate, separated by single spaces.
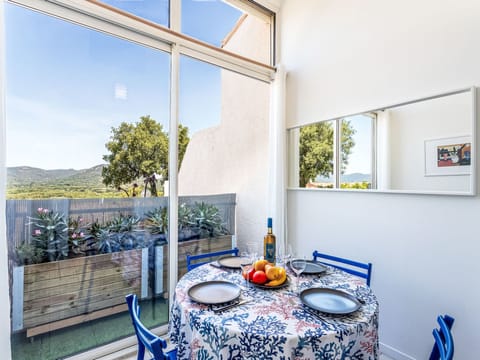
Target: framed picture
pixel 448 156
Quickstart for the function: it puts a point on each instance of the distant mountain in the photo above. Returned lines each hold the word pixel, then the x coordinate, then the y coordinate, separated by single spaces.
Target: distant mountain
pixel 25 182
pixel 349 178
pixel 26 175
pixel 356 177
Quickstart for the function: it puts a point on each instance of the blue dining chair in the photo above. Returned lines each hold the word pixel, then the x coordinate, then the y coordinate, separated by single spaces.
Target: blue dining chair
pixel 146 339
pixel 192 262
pixel 364 269
pixel 443 347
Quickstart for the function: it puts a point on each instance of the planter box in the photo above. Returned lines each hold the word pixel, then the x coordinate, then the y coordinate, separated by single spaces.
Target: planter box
pixel 53 295
pixel 197 246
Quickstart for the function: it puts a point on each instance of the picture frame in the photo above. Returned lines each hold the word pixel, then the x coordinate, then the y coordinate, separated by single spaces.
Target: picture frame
pixel 448 156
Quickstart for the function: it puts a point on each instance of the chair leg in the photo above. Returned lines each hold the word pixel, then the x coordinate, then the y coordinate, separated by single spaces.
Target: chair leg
pixel 141 351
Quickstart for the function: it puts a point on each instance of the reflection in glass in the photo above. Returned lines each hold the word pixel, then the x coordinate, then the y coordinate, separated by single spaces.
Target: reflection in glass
pixel 317 145
pixel 316 155
pixel 415 146
pixel 356 150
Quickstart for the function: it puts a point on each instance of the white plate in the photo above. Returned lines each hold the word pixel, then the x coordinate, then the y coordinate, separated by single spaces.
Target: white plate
pixel 330 301
pixel 214 292
pixel 312 267
pixel 232 262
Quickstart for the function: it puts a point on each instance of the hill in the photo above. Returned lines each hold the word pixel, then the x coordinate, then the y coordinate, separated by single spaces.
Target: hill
pixel 348 178
pixel 21 175
pixel 24 182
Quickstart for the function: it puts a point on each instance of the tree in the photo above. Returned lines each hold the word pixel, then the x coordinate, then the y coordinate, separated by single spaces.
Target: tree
pixel 316 149
pixel 137 151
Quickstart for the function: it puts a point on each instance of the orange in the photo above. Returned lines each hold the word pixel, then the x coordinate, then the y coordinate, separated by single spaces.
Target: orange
pixel 260 264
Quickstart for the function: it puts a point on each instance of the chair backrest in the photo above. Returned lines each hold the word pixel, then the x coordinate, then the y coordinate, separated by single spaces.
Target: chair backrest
pixel 363 270
pixel 146 339
pixel 192 262
pixel 443 347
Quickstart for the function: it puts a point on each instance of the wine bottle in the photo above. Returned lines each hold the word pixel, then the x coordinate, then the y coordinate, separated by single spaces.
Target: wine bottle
pixel 269 244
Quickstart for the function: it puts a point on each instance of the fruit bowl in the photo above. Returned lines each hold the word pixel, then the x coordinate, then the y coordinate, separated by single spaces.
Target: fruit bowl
pixel 265 275
pixel 264 286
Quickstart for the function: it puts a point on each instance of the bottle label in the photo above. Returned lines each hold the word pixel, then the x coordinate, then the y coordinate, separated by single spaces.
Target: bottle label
pixel 270 252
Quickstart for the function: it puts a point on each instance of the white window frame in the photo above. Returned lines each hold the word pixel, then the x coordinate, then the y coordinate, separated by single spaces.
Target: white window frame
pixel 118 23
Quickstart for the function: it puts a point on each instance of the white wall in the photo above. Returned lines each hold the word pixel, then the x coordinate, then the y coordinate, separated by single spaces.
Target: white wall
pixel 346 56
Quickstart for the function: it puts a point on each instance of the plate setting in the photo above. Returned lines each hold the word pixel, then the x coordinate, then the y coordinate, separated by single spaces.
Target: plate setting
pixel 214 292
pixel 312 267
pixel 330 301
pixel 231 262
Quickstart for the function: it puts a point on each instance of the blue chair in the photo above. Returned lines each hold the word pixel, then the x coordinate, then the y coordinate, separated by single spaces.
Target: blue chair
pixel 443 348
pixel 192 262
pixel 146 339
pixel 365 269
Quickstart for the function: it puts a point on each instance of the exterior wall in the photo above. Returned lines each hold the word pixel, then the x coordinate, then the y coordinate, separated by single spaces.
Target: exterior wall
pixel 343 57
pixel 233 157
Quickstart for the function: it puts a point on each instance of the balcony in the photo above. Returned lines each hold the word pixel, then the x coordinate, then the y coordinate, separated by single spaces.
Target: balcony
pixel 84 291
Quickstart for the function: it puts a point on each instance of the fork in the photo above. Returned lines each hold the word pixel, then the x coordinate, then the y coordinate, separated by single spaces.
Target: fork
pixel 318 316
pixel 227 307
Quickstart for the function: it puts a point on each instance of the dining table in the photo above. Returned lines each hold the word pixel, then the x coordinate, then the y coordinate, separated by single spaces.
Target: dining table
pixel 328 314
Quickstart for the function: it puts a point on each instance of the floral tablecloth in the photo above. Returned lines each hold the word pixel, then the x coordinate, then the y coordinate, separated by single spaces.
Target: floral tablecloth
pixel 274 325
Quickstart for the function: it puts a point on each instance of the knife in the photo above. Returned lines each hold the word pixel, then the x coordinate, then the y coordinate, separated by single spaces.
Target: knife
pixel 318 316
pixel 226 307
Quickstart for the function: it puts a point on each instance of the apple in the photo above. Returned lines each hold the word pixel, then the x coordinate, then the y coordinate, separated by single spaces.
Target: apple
pixel 259 277
pixel 250 273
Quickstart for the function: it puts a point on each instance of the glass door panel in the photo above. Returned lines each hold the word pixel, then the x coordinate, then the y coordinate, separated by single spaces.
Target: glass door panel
pixel 87 133
pixel 224 170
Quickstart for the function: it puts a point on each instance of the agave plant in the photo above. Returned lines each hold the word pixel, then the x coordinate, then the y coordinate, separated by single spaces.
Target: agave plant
pixel 107 242
pixel 118 234
pixel 156 221
pixel 123 223
pixel 50 235
pixel 208 220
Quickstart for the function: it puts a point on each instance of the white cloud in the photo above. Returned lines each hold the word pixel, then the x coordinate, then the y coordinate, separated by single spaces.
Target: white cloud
pixel 121 91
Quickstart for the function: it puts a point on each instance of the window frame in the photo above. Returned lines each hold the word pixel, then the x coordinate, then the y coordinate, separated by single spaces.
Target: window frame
pixel 104 18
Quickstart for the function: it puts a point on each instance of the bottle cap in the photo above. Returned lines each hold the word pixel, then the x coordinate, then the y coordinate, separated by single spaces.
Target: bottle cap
pixel 269 222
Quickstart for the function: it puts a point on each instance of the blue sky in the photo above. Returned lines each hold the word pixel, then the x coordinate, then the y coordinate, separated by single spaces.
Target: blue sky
pixel 360 160
pixel 67 86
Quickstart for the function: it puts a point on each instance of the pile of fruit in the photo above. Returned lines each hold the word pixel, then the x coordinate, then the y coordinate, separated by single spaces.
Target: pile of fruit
pixel 265 273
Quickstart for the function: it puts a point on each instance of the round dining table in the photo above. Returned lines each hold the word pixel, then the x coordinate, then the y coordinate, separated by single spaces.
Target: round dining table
pixel 272 324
